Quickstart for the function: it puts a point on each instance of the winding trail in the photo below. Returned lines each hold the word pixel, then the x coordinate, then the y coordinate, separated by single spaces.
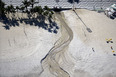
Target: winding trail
pixel 51 61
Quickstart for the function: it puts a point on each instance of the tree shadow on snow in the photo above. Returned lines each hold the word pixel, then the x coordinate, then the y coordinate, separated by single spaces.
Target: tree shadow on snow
pixel 39 21
pixel 9 23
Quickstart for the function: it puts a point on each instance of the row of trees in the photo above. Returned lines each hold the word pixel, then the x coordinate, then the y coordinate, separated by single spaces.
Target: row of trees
pixel 2 4
pixel 24 8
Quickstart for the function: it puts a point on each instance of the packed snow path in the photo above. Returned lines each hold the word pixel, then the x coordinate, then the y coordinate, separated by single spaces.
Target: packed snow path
pixel 51 60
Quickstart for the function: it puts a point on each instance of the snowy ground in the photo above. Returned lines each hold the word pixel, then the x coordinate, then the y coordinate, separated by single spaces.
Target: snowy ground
pixel 21 49
pixel 93 56
pixel 87 55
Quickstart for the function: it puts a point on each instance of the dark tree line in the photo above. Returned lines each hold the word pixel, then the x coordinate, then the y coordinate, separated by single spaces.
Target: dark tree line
pixel 2 8
pixel 71 1
pixel 28 8
pixel 24 8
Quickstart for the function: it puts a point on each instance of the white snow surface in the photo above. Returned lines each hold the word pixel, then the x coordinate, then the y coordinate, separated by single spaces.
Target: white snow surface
pixel 22 48
pixel 93 56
